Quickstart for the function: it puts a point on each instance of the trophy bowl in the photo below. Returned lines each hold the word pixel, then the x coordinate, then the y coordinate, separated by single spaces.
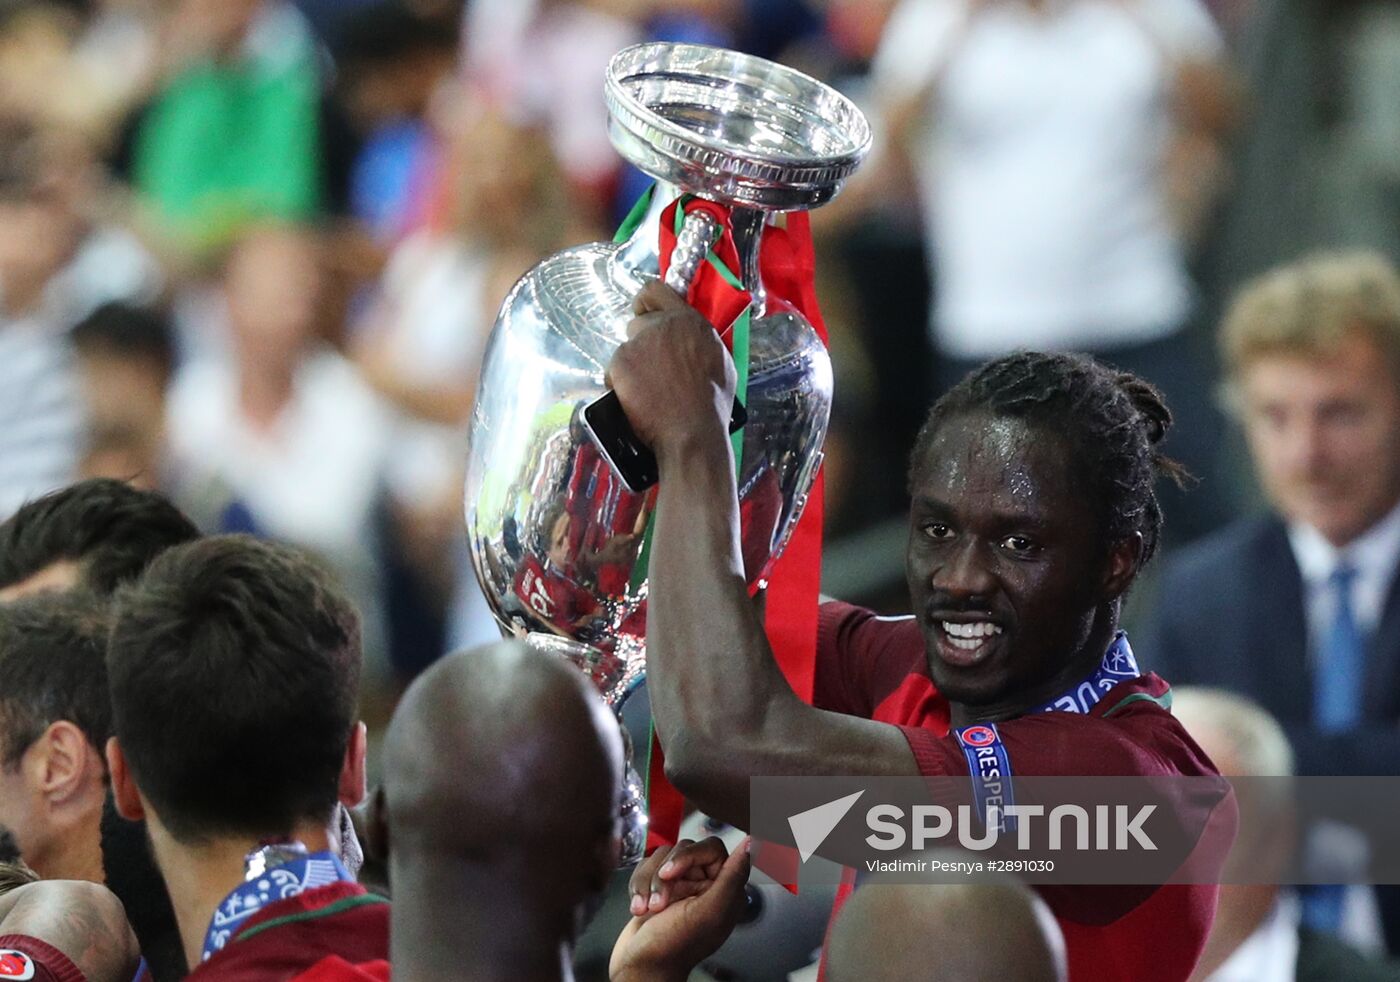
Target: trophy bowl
pixel 733 128
pixel 556 536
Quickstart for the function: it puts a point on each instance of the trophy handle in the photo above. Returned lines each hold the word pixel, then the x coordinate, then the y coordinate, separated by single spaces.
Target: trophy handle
pixel 696 238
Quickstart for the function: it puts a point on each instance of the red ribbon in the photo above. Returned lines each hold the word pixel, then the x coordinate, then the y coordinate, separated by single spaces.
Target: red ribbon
pixel 787 264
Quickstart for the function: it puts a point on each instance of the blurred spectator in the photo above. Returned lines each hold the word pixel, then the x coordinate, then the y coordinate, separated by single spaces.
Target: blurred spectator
pixel 78 67
pixel 1257 935
pixel 125 364
pixel 55 719
pixel 1299 609
pixel 238 129
pixel 392 62
pixel 1064 150
pixel 544 61
pixel 284 438
pixel 56 264
pixel 421 344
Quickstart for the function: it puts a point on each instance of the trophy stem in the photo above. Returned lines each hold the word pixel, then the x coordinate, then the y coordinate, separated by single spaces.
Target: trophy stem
pixel 747 226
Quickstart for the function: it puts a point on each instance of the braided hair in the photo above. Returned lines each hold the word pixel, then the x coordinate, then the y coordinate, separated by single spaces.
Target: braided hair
pixel 1112 421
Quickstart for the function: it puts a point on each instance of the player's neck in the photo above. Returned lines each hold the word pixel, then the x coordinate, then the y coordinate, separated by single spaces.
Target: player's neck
pixel 74 848
pixel 1075 670
pixel 496 933
pixel 199 877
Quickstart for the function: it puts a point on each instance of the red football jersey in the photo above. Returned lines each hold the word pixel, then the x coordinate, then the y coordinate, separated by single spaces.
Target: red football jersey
pixel 337 969
pixel 876 667
pixel 23 958
pixel 288 937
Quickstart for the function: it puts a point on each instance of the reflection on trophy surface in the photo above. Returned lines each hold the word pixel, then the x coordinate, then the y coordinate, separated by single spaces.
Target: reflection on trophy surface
pixel 556 535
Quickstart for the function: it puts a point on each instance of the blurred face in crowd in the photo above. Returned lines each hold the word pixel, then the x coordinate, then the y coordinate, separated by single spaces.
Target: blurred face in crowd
pixel 274 286
pixel 36 239
pixel 1324 431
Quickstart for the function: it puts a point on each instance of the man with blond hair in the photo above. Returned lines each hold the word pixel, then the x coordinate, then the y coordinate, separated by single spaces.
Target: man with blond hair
pixel 1298 608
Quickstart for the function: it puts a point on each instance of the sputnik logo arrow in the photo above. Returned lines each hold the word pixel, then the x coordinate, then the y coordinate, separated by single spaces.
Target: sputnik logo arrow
pixel 810 828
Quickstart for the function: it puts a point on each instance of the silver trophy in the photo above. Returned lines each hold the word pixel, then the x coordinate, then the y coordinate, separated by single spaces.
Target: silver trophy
pixel 555 533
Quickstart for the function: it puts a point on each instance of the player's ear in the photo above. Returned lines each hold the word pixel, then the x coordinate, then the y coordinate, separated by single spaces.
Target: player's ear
pixel 1124 559
pixel 124 793
pixel 62 759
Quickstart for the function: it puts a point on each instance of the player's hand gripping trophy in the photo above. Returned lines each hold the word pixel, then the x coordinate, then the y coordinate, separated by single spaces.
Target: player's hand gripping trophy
pixel 557 500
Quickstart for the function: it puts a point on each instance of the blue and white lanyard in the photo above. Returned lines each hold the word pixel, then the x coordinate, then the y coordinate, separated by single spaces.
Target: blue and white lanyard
pixel 987 760
pixel 272 874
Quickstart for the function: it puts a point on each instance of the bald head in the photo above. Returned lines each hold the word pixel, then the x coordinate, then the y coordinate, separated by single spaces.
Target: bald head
pixel 977 932
pixel 498 750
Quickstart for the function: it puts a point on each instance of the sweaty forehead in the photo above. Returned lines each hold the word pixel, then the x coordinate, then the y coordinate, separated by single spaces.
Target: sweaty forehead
pixel 998 460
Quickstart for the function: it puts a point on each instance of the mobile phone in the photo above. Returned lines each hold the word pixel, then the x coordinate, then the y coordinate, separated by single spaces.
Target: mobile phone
pixel 619 444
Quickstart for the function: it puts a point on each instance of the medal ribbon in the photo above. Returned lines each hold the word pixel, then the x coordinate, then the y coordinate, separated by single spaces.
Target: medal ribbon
pixel 988 763
pixel 787 265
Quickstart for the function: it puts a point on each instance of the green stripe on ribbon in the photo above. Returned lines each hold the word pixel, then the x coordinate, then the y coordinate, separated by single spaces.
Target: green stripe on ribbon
pixel 739 346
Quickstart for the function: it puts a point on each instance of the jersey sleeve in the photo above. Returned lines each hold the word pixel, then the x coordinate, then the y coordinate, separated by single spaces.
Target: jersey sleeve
pixel 1136 738
pixel 25 958
pixel 860 656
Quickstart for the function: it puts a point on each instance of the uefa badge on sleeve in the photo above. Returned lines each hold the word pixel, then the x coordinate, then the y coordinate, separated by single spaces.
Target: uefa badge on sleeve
pixel 15 964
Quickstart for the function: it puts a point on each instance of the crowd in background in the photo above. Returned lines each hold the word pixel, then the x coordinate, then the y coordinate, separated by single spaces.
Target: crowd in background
pixel 251 252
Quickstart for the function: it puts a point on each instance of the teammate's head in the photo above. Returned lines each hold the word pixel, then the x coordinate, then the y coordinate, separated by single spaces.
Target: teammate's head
pixel 234 667
pixel 97 534
pixel 502 777
pixel 54 723
pixel 1312 357
pixel 945 933
pixel 1033 509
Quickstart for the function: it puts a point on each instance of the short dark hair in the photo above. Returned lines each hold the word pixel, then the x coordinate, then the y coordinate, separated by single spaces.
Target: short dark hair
pixel 111 529
pixel 1112 422
pixel 128 331
pixel 52 668
pixel 235 669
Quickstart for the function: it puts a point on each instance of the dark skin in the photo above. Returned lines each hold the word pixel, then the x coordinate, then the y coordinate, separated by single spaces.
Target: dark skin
pixel 997 535
pixel 723 710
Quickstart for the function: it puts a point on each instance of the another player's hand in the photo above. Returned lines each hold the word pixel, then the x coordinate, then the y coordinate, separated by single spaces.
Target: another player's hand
pixel 673 375
pixel 685 902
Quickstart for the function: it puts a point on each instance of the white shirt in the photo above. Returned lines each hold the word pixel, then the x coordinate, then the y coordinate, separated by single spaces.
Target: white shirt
pixel 1374 556
pixel 1041 180
pixel 1270 954
pixel 313 479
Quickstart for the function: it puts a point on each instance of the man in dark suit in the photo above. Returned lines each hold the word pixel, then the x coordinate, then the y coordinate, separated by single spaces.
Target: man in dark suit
pixel 1258 935
pixel 1299 609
